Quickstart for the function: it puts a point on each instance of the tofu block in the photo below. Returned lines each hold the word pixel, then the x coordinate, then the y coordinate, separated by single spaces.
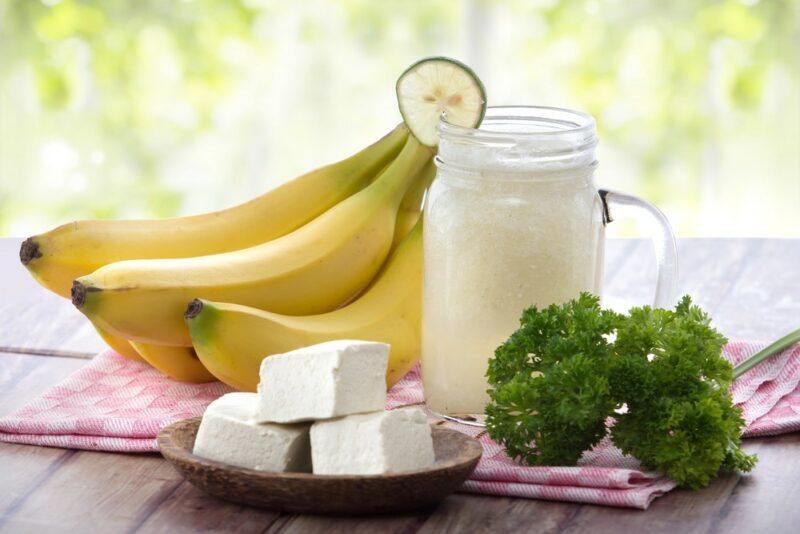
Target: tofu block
pixel 372 443
pixel 229 433
pixel 323 381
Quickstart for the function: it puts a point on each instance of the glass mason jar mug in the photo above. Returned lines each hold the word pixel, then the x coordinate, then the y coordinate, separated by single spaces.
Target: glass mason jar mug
pixel 513 219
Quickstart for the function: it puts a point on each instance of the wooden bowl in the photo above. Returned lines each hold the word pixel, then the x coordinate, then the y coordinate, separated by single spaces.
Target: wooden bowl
pixel 456 458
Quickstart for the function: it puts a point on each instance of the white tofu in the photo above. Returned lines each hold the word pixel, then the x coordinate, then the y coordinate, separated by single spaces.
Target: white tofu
pixel 229 433
pixel 373 443
pixel 323 381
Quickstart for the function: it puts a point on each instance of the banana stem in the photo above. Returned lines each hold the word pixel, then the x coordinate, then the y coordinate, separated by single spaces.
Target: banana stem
pixel 396 178
pixel 783 343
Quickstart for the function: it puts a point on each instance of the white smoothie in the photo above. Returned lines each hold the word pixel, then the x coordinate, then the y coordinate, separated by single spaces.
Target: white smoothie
pixel 504 230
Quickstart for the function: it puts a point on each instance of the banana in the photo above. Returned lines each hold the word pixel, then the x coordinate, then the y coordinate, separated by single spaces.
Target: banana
pixel 231 340
pixel 411 206
pixel 162 357
pixel 410 209
pixel 180 363
pixel 119 345
pixel 311 270
pixel 76 249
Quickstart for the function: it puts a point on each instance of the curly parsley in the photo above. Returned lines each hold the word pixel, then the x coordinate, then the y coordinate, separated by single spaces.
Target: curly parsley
pixel 568 368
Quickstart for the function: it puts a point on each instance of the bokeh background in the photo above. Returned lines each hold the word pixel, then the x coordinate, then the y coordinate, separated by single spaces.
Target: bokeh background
pixel 153 108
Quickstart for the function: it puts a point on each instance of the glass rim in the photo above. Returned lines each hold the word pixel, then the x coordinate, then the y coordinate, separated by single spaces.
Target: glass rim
pixel 567 122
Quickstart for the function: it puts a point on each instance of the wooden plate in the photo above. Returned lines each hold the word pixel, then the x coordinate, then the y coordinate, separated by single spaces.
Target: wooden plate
pixel 456 458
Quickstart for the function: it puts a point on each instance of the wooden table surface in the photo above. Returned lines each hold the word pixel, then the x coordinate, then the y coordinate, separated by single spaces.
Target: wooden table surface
pixel 750 286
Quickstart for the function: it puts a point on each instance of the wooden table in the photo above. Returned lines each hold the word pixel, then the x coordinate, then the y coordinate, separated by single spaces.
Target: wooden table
pixel 750 286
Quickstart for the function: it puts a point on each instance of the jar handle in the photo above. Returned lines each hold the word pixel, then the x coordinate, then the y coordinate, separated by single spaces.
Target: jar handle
pixel 616 204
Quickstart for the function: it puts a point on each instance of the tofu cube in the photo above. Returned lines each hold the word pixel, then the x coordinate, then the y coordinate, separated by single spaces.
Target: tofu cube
pixel 373 443
pixel 229 433
pixel 323 381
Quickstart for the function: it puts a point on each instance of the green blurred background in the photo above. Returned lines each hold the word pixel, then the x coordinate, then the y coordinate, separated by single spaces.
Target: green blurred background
pixel 152 108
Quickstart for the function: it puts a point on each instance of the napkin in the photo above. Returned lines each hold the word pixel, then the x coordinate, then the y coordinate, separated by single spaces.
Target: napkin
pixel 114 404
pixel 110 404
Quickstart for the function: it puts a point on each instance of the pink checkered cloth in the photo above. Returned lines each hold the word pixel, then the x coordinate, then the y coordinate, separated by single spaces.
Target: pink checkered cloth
pixel 113 404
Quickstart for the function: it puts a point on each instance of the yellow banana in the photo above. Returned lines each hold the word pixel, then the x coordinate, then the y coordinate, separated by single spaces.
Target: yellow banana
pixel 76 249
pixel 410 209
pixel 311 270
pixel 180 363
pixel 411 206
pixel 164 358
pixel 231 340
pixel 119 345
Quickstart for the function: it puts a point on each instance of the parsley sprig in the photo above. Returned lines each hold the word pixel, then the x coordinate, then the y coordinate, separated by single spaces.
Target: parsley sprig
pixel 659 373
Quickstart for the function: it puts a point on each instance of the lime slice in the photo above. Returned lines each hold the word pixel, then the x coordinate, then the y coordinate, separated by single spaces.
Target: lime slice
pixel 435 86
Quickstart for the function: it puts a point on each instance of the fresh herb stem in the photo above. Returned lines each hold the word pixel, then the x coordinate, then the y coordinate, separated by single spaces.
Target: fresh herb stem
pixel 783 343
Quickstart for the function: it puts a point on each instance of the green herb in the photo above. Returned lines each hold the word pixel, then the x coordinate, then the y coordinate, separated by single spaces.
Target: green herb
pixel 767 352
pixel 561 375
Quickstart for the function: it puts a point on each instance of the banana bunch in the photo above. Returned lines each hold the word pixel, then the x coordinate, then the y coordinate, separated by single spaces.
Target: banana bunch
pixel 231 339
pixel 300 251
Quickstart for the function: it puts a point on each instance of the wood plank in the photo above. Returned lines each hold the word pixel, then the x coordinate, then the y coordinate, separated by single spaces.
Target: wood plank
pixel 348 525
pixel 765 303
pixel 48 489
pixel 188 509
pixel 766 501
pixel 95 492
pixel 472 513
pixel 749 286
pixel 34 319
pixel 762 501
pixel 617 253
pixel 682 511
pixel 708 270
pixel 711 268
pixel 25 467
pixel 23 377
pixel 627 279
